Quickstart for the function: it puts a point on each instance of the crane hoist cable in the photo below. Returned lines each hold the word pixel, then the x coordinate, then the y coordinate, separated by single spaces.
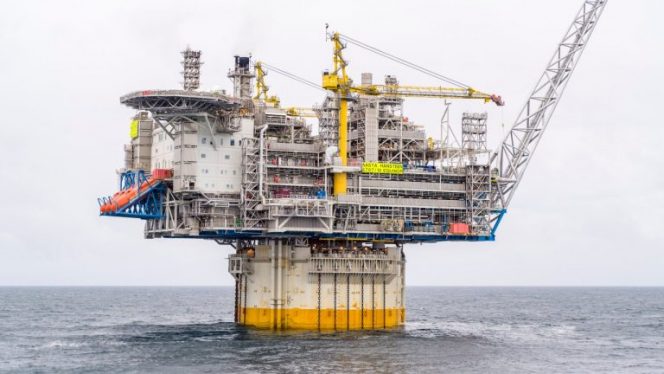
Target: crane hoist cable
pixel 294 77
pixel 262 90
pixel 402 61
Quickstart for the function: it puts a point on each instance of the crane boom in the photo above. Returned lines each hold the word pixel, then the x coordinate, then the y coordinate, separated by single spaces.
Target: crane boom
pixel 434 92
pixel 516 150
pixel 301 112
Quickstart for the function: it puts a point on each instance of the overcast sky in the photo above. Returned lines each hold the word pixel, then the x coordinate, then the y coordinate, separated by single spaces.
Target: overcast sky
pixel 589 211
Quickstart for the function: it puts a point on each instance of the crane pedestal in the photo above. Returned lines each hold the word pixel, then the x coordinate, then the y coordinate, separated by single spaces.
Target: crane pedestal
pixel 284 284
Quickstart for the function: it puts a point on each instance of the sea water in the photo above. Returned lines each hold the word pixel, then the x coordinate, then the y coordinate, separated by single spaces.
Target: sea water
pixel 454 330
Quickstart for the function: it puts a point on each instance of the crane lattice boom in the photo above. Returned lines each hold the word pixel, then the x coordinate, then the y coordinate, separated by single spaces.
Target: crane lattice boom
pixel 434 92
pixel 517 148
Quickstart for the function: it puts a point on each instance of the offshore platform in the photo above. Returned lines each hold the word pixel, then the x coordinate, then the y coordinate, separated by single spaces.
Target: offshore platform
pixel 319 220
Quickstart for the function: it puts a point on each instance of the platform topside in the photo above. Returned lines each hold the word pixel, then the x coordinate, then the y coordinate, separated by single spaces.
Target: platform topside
pixel 246 169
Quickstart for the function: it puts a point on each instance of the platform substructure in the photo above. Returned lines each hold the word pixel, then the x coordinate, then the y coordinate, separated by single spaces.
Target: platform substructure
pixel 322 285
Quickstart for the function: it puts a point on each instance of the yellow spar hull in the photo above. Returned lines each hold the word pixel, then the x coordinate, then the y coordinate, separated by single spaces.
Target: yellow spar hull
pixel 326 319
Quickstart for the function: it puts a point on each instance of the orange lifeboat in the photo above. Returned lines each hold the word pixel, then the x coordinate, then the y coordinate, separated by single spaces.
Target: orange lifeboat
pixel 124 197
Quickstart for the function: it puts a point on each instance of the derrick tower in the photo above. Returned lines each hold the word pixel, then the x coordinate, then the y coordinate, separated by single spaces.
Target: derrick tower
pixel 191 64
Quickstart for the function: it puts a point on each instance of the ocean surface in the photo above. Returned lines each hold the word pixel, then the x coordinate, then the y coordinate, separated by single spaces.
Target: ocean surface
pixel 456 330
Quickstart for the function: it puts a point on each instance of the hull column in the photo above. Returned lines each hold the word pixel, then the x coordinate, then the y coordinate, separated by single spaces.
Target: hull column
pixel 319 285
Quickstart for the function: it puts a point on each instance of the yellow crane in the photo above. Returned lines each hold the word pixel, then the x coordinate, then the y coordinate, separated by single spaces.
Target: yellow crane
pixel 338 82
pixel 262 88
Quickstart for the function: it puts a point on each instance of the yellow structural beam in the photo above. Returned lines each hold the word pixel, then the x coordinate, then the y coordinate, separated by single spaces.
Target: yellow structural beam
pixel 337 81
pixel 340 179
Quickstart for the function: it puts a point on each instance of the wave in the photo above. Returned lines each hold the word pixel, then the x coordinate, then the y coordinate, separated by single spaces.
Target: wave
pixel 488 330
